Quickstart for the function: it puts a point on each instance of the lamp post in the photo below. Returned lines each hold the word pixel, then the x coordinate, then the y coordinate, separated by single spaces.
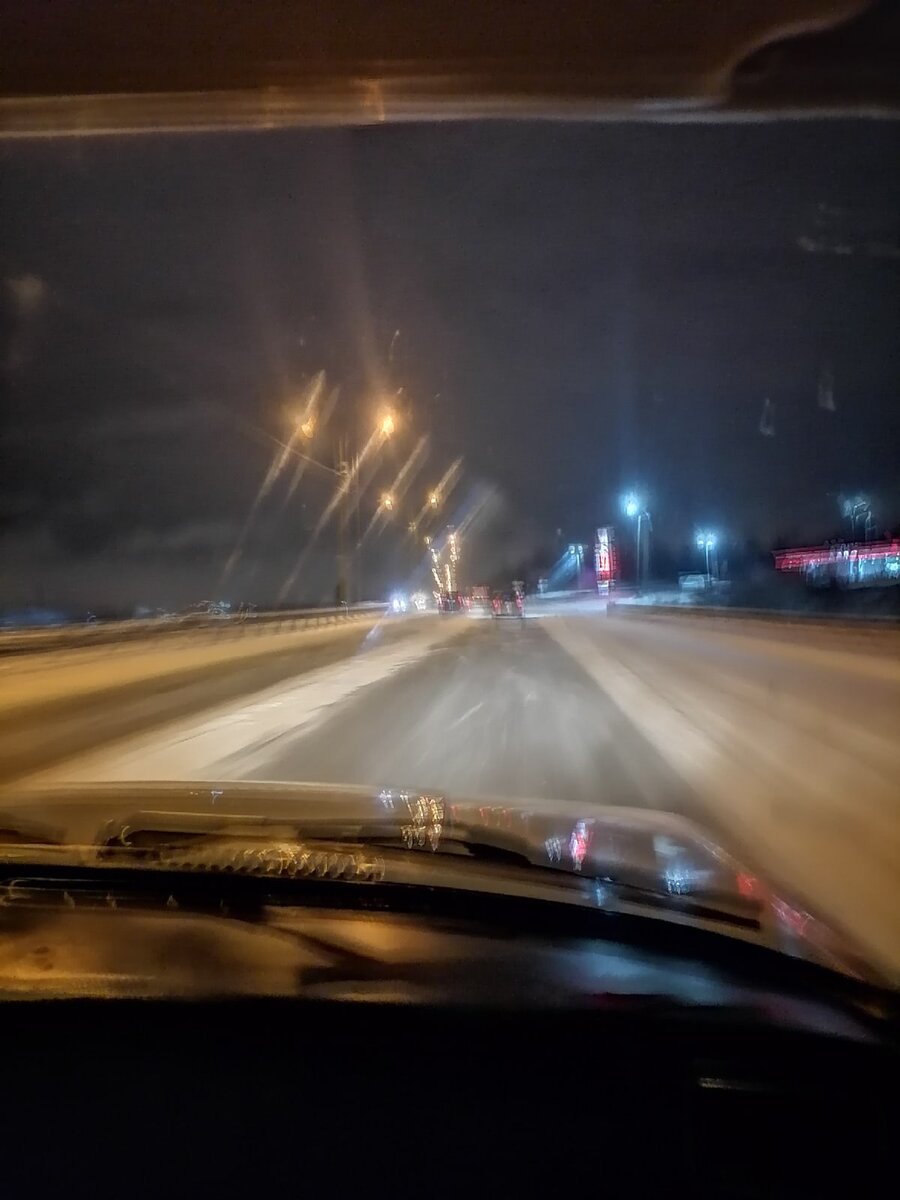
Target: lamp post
pixel 634 509
pixel 347 473
pixel 858 509
pixel 706 542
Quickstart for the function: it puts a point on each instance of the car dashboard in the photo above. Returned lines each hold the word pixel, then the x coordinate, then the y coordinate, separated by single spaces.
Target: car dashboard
pixel 455 1051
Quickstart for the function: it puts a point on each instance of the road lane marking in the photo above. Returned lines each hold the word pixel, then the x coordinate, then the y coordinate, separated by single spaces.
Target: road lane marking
pixel 237 734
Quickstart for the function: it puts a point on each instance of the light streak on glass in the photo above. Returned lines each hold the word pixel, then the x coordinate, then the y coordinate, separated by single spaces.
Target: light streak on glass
pixel 279 460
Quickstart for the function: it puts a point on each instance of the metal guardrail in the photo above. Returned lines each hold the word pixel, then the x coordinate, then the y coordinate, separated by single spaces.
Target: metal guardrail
pixel 710 612
pixel 101 633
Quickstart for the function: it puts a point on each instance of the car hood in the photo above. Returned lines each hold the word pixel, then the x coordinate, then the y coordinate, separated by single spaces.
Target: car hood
pixel 656 853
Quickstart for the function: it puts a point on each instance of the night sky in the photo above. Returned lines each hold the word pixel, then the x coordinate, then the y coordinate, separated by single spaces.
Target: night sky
pixel 580 309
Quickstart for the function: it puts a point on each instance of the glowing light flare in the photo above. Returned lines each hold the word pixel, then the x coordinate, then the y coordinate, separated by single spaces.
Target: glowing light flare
pixel 399 487
pixel 579 842
pixel 307 420
pixel 439 493
pixel 478 505
pixel 348 477
pixel 346 482
pixel 748 885
pixel 631 505
pixel 794 919
pixel 411 466
pixel 279 460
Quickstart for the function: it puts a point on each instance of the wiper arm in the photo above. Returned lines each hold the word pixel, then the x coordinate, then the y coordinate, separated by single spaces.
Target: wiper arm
pixel 325 847
pixel 149 831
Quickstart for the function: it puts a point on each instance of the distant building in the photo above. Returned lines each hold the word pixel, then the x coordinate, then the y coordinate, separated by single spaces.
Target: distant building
pixel 850 564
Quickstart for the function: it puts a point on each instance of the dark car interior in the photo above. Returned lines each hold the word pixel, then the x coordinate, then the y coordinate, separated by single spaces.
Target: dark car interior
pixel 426 1040
pixel 240 1094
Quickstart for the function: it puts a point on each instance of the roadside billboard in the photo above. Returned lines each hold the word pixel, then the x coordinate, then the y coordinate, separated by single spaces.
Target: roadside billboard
pixel 605 559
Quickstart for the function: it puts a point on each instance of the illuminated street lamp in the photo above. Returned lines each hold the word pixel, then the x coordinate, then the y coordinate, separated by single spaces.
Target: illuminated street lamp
pixel 434 499
pixel 633 507
pixel 306 426
pixel 706 541
pixel 857 509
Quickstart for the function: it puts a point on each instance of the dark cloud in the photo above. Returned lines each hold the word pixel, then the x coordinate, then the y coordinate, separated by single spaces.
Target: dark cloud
pixel 579 307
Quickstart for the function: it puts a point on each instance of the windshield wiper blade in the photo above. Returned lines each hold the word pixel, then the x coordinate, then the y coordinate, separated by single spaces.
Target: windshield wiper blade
pixel 325 847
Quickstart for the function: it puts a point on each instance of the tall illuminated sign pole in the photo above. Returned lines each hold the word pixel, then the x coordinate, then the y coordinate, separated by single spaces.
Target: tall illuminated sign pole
pixel 605 558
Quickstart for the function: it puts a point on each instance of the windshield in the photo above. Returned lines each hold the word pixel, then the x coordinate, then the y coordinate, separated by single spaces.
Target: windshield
pixel 284 409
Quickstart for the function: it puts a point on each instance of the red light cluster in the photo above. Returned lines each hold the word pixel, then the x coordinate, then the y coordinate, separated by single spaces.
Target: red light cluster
pixel 804 557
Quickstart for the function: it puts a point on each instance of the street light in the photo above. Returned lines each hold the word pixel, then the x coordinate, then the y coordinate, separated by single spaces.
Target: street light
pixel 633 506
pixel 856 508
pixel 347 472
pixel 434 499
pixel 706 542
pixel 349 495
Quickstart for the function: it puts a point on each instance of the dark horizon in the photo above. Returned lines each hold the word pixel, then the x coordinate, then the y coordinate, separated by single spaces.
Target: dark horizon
pixel 706 314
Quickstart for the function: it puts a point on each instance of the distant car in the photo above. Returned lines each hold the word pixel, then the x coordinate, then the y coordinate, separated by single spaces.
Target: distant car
pixel 508 604
pixel 693 583
pixel 450 602
pixel 479 601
